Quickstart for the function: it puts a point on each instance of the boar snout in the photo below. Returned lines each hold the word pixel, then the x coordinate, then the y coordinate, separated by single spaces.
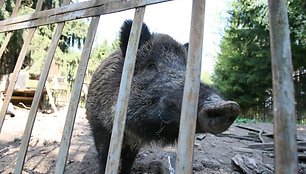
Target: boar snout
pixel 216 116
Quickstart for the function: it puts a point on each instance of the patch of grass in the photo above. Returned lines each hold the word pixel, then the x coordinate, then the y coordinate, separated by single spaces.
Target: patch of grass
pixel 245 120
pixel 241 119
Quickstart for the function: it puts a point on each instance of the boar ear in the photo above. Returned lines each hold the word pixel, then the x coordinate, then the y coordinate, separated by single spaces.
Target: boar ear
pixel 186 45
pixel 125 34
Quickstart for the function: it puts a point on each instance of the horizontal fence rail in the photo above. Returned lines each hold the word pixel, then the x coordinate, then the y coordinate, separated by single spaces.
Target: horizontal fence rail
pixel 72 12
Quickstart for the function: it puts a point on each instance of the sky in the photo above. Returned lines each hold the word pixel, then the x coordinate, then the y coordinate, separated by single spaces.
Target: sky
pixel 173 18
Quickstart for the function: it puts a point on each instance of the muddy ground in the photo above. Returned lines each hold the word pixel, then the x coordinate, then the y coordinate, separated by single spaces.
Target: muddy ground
pixel 212 154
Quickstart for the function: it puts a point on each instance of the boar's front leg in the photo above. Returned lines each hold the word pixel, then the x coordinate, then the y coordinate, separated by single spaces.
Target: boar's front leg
pixel 102 140
pixel 128 155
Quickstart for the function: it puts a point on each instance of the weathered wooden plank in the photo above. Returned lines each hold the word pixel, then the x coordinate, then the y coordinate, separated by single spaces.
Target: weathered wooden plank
pixel 253 129
pixel 17 69
pixel 9 35
pixel 191 90
pixel 60 10
pixel 38 93
pixel 25 141
pixel 247 138
pixel 22 98
pixel 72 12
pixel 114 152
pixel 283 90
pixel 75 97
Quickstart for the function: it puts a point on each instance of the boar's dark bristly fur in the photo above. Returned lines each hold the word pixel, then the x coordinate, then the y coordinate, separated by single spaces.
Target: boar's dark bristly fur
pixel 154 107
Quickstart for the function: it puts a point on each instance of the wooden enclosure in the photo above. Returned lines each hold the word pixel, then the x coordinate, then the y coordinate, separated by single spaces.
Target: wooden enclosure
pixel 284 109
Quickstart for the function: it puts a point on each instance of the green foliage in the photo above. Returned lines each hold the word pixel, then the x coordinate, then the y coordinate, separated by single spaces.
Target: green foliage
pixel 10 55
pixel 69 63
pixel 245 120
pixel 73 35
pixel 99 53
pixel 243 69
pixel 206 78
pixel 71 41
pixel 39 46
pixel 243 48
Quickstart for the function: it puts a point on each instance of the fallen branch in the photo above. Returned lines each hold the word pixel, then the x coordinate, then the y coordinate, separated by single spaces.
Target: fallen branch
pixel 253 129
pixel 260 136
pixel 238 137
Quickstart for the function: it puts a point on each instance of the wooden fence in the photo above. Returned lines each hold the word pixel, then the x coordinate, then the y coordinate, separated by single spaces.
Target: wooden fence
pixel 284 109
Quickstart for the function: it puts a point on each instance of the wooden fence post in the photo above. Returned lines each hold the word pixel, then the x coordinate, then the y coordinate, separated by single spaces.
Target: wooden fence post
pixel 75 97
pixel 283 91
pixel 114 152
pixel 191 90
pixel 39 90
pixel 21 57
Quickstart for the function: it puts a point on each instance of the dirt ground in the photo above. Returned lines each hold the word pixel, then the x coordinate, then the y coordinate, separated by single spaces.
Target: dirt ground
pixel 212 154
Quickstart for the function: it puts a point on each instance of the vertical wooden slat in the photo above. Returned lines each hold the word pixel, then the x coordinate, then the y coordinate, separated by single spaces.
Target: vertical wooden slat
pixel 75 97
pixel 13 80
pixel 124 92
pixel 283 91
pixel 39 89
pixel 9 34
pixel 2 49
pixel 191 90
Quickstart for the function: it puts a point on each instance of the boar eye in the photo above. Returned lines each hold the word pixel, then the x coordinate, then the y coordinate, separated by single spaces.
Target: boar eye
pixel 152 66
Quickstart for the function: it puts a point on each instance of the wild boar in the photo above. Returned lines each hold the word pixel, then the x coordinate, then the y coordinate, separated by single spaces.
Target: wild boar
pixel 153 113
